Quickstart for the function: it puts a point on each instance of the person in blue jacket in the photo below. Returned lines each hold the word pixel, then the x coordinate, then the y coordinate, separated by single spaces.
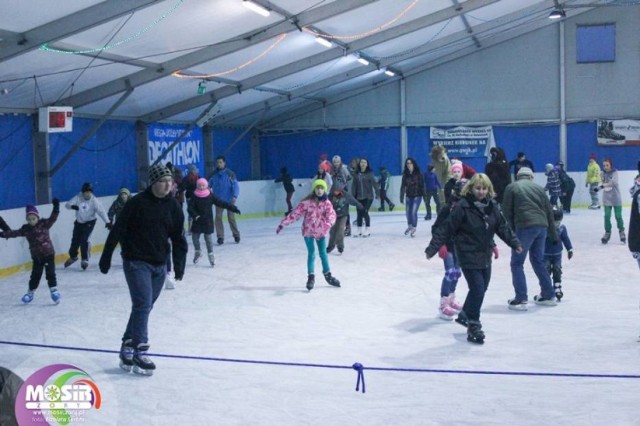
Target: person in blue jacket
pixel 224 185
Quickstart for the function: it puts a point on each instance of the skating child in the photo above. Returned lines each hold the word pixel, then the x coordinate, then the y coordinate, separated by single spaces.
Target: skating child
pixel 117 206
pixel 456 174
pixel 36 231
pixel 340 200
pixel 199 208
pixel 431 187
pixel 448 306
pixel 473 222
pixel 319 217
pixel 553 252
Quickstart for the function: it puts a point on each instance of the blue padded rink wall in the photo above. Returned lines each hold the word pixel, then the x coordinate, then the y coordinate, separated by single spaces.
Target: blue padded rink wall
pixel 245 343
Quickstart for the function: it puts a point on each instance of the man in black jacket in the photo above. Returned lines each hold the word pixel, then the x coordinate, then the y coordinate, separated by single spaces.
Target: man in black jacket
pixel 143 229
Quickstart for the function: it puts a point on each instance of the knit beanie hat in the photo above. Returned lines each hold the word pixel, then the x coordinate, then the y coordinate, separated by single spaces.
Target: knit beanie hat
pixel 524 172
pixel 31 209
pixel 457 166
pixel 125 191
pixel 157 172
pixel 201 193
pixel 548 167
pixel 317 183
pixel 87 187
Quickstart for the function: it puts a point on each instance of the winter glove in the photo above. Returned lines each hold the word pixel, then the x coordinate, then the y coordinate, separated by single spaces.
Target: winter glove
pixel 3 225
pixel 108 225
pixel 104 264
pixel 401 200
pixel 75 208
pixel 636 255
pixel 442 253
pixel 496 253
pixel 279 229
pixel 235 210
pixel 56 204
pixel 570 254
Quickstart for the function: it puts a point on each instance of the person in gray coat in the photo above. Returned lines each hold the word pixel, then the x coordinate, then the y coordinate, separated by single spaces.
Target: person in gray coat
pixel 365 189
pixel 611 199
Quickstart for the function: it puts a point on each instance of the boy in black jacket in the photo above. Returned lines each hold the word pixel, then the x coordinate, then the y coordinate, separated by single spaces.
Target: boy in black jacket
pixel 146 224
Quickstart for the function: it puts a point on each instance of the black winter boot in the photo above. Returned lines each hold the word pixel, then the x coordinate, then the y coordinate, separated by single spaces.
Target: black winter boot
pixel 475 333
pixel 311 280
pixel 331 280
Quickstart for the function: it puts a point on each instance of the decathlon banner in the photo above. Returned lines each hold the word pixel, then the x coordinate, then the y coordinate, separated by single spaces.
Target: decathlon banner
pixel 188 151
pixel 464 142
pixel 618 132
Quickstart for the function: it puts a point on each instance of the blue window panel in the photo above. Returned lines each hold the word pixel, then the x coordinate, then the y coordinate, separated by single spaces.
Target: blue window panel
pixel 596 43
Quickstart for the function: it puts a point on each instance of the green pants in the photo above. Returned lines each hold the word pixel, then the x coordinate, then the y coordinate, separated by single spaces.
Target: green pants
pixel 617 211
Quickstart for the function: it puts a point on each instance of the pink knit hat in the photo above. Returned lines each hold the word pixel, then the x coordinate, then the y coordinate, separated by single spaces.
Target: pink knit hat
pixel 201 193
pixel 457 166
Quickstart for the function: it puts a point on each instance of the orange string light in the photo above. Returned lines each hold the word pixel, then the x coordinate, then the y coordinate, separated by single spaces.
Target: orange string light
pixel 238 68
pixel 373 31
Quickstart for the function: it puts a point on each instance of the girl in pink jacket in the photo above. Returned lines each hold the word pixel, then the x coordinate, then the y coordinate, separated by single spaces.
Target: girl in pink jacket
pixel 319 217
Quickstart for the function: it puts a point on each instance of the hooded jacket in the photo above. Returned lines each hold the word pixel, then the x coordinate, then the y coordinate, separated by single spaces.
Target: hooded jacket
pixel 498 172
pixel 318 216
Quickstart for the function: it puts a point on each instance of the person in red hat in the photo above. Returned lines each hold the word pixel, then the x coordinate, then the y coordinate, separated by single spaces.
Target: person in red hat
pixel 593 181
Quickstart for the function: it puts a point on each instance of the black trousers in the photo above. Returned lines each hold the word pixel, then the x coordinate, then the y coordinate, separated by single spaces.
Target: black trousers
pixel 80 239
pixel 47 264
pixel 478 281
pixel 565 199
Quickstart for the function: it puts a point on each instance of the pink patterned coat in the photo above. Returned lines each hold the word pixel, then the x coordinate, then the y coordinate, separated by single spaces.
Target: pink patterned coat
pixel 319 217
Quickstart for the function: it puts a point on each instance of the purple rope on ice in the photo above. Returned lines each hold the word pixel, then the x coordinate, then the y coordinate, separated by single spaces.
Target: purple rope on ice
pixel 360 369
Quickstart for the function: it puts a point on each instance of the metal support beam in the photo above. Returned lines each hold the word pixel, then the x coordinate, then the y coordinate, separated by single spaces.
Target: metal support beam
pixel 465 21
pixel 72 24
pixel 91 132
pixel 209 151
pixel 255 155
pixel 142 154
pixel 563 97
pixel 41 163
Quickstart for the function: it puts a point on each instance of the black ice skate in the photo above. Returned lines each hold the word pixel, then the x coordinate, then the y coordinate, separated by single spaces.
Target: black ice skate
pixel 475 333
pixel 331 280
pixel 142 364
pixel 623 238
pixel 126 355
pixel 558 290
pixel 462 319
pixel 606 237
pixel 311 280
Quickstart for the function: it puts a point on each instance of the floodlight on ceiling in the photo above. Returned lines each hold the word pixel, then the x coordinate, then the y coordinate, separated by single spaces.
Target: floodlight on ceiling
pixel 323 41
pixel 557 13
pixel 389 72
pixel 363 61
pixel 255 7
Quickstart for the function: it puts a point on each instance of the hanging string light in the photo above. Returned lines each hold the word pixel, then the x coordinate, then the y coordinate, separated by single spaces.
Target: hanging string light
pixel 232 70
pixel 46 48
pixel 364 34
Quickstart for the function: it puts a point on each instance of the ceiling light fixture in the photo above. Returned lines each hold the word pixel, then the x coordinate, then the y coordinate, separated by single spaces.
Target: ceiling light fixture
pixel 255 7
pixel 323 41
pixel 202 88
pixel 557 13
pixel 389 73
pixel 363 61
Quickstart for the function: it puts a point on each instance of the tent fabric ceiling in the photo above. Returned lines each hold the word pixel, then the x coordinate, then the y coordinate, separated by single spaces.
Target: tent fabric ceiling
pixel 255 68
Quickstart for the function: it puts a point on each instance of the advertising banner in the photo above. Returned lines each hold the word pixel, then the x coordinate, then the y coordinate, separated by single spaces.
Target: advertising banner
pixel 188 151
pixel 464 142
pixel 618 132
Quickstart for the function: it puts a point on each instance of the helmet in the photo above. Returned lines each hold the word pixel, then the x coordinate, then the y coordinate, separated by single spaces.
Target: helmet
pixel 557 214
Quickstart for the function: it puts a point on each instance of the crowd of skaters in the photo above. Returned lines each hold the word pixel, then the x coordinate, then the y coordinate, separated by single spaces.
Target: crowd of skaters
pixel 522 213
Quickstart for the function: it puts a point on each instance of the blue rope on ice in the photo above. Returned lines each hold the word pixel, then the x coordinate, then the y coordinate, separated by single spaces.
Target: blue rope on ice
pixel 360 369
pixel 357 366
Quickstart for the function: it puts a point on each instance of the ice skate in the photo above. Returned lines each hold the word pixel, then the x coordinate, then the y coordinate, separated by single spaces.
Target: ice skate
pixel 196 256
pixel 126 355
pixel 475 333
pixel 330 249
pixel 340 250
pixel 558 290
pixel 517 305
pixel 413 232
pixel 454 304
pixel 28 297
pixel 212 260
pixel 545 301
pixel 462 319
pixel 142 364
pixel 55 295
pixel 407 231
pixel 391 206
pixel 445 311
pixel 70 261
pixel 331 280
pixel 366 233
pixel 623 237
pixel 311 281
pixel 606 237
pixel 358 232
pixel 84 265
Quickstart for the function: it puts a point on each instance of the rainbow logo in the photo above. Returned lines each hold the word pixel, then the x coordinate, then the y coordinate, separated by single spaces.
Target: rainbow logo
pixel 59 394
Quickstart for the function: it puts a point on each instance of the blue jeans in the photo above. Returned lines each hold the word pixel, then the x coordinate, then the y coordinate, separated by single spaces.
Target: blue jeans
pixel 532 240
pixel 145 283
pixel 311 254
pixel 413 204
pixel 478 281
pixel 451 275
